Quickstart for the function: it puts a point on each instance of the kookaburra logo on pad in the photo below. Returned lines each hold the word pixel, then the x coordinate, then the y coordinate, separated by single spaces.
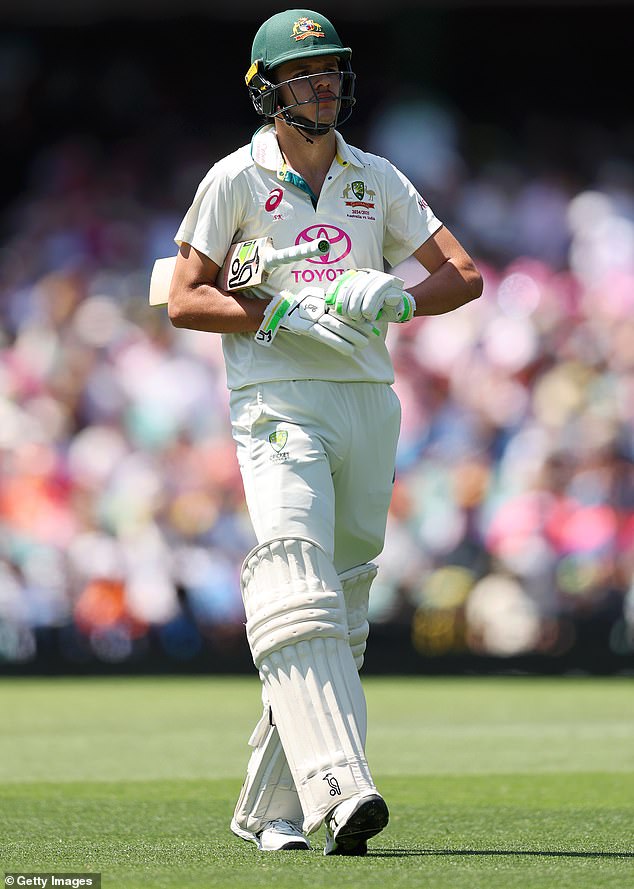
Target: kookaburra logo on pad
pixel 335 790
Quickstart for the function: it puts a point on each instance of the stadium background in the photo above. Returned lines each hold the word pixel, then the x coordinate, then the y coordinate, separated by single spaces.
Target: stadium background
pixel 122 525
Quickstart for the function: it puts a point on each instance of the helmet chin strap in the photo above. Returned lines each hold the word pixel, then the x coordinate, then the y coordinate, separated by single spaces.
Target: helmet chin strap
pixel 301 132
pixel 304 125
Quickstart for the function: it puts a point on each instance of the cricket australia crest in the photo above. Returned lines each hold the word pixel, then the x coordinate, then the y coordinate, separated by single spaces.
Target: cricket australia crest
pixel 364 199
pixel 359 191
pixel 278 440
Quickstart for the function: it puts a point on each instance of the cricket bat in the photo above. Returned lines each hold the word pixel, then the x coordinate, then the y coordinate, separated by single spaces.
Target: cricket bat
pixel 247 264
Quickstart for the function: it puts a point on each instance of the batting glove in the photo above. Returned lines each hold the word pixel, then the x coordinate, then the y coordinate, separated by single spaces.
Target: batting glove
pixel 361 293
pixel 306 314
pixel 399 307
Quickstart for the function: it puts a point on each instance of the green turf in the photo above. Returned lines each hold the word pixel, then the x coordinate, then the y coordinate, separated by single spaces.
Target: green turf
pixel 506 783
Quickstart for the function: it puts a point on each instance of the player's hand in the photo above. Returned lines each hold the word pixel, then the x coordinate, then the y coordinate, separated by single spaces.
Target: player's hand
pixel 306 314
pixel 361 293
pixel 398 307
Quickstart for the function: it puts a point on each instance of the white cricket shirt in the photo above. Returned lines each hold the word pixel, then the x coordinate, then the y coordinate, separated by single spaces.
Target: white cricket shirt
pixel 368 211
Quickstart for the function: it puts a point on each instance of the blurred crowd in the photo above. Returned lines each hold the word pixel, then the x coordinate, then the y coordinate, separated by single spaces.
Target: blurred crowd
pixel 121 508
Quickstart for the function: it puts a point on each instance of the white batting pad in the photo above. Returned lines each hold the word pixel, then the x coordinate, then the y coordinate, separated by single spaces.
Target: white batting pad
pixel 268 791
pixel 356 583
pixel 298 633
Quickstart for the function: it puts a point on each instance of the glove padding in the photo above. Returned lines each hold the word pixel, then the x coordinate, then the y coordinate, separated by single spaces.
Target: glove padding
pixel 306 314
pixel 361 293
pixel 398 307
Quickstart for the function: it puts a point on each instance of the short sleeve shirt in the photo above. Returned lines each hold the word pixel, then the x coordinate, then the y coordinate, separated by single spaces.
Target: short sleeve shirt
pixel 368 210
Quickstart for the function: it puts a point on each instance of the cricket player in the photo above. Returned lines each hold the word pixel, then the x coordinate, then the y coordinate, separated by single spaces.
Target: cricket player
pixel 314 416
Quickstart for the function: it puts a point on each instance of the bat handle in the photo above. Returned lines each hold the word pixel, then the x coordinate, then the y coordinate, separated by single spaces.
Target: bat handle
pixel 317 247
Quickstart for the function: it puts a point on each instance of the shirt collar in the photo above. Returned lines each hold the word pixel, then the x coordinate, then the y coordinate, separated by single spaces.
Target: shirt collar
pixel 345 155
pixel 266 153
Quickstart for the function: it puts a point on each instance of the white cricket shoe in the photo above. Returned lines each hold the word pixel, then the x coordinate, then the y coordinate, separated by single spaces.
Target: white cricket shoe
pixel 351 824
pixel 277 836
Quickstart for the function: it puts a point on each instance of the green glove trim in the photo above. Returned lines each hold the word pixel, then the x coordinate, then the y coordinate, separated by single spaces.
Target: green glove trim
pixel 273 316
pixel 409 307
pixel 277 314
pixel 333 291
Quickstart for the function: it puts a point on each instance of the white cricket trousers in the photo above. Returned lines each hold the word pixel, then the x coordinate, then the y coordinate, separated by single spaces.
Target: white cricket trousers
pixel 317 460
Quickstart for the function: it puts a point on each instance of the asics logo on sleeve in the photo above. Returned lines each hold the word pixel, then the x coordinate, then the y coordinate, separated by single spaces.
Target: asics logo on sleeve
pixel 274 199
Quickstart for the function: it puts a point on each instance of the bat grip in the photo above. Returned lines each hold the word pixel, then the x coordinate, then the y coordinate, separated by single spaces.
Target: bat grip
pixel 317 247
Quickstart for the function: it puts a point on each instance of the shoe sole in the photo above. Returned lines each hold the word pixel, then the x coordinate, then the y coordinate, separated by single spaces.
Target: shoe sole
pixel 368 820
pixel 294 844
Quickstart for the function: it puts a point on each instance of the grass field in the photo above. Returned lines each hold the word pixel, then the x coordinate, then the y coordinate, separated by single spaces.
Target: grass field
pixel 503 783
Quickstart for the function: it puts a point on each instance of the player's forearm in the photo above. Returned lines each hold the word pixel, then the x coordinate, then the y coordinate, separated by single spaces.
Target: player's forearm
pixel 452 285
pixel 207 308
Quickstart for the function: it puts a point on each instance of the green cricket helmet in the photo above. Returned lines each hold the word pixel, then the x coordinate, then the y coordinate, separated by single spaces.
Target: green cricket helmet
pixel 297 34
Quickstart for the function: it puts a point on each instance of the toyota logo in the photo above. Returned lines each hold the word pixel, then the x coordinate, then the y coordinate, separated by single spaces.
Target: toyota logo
pixel 340 243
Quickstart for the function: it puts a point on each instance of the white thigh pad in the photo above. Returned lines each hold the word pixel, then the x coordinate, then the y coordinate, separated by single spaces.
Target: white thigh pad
pixel 298 633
